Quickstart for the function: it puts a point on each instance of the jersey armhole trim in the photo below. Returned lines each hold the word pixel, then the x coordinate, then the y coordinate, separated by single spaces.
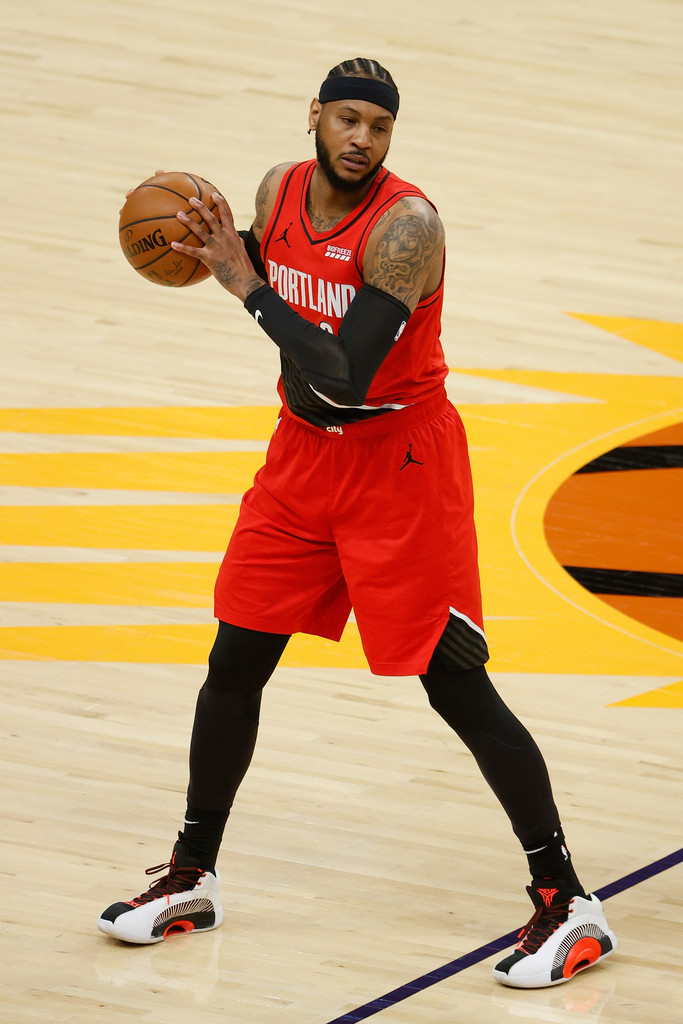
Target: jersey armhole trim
pixel 282 192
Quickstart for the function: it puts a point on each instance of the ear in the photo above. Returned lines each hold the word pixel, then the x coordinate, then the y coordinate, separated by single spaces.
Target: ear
pixel 314 114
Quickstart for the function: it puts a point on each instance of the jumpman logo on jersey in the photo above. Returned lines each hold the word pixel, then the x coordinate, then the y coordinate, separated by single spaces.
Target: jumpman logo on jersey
pixel 283 236
pixel 409 458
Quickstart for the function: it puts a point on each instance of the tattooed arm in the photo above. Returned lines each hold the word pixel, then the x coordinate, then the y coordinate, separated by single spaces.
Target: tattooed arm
pixel 404 255
pixel 266 196
pixel 403 263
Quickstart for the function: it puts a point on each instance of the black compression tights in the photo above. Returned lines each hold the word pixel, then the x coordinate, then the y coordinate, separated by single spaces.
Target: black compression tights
pixel 505 751
pixel 226 724
pixel 227 714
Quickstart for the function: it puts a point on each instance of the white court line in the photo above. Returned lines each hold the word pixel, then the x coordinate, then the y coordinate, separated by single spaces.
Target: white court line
pixel 47 496
pixel 24 553
pixel 22 614
pixel 65 444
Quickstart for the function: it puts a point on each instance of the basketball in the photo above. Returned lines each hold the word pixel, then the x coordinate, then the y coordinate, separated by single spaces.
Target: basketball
pixel 148 225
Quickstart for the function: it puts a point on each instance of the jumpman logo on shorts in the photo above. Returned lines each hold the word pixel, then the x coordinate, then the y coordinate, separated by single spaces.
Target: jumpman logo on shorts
pixel 409 458
pixel 283 236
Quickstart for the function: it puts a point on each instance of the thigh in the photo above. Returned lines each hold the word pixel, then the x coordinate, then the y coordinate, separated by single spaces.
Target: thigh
pixel 407 543
pixel 281 572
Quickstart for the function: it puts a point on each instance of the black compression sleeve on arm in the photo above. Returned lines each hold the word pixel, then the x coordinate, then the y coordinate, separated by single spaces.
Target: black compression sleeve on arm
pixel 253 248
pixel 339 367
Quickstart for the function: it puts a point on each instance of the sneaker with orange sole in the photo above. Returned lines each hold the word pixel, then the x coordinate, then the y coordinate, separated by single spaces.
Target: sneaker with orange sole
pixel 567 934
pixel 187 899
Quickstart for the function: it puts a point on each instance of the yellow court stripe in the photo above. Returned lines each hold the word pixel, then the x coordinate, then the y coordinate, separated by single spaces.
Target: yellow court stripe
pixel 205 472
pixel 163 645
pixel 129 527
pixel 515 647
pixel 560 638
pixel 659 335
pixel 670 696
pixel 236 422
pixel 655 394
pixel 138 584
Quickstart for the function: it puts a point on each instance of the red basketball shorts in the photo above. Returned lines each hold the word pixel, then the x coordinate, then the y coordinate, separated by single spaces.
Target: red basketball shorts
pixel 376 516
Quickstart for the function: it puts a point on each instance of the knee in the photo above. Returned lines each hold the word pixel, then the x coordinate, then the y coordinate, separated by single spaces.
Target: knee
pixel 219 675
pixel 243 659
pixel 226 666
pixel 471 705
pixel 229 686
pixel 455 692
pixel 435 694
pixel 448 698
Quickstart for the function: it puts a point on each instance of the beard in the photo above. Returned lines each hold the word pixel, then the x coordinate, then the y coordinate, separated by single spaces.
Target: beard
pixel 335 180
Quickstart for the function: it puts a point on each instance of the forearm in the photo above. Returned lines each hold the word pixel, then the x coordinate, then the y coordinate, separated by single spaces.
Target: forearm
pixel 340 367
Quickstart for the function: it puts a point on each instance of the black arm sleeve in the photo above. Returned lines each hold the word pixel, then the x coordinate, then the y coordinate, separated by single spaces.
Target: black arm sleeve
pixel 339 367
pixel 253 251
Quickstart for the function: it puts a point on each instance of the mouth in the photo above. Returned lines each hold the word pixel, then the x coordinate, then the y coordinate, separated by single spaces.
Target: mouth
pixel 354 161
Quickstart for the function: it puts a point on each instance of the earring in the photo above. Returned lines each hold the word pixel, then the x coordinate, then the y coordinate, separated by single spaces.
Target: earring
pixel 309 131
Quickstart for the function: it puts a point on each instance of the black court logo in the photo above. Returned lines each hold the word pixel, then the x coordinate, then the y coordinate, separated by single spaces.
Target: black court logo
pixel 409 458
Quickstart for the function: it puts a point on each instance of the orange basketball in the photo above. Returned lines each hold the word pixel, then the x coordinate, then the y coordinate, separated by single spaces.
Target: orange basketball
pixel 148 225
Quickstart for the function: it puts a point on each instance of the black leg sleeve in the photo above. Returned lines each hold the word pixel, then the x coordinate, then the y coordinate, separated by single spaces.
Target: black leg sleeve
pixel 227 714
pixel 503 748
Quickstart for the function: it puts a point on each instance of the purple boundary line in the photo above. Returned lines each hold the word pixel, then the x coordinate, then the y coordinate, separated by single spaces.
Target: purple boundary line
pixel 499 944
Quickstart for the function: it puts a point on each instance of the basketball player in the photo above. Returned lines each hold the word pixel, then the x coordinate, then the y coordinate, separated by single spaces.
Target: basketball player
pixel 365 500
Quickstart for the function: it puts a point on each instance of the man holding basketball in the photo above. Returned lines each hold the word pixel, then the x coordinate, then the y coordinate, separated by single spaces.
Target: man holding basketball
pixel 365 501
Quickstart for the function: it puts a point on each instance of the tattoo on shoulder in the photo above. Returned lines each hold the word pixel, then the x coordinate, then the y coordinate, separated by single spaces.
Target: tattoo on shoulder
pixel 405 253
pixel 262 199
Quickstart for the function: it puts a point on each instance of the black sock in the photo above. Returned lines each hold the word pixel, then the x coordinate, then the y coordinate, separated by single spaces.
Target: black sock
pixel 550 859
pixel 202 834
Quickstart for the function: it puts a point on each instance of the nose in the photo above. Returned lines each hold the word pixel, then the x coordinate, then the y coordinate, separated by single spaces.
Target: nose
pixel 361 136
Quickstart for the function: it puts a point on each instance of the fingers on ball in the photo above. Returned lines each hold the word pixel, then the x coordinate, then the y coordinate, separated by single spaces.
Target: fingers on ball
pixel 148 226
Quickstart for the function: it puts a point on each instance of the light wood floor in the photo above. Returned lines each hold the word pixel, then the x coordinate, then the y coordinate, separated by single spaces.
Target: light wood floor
pixel 364 851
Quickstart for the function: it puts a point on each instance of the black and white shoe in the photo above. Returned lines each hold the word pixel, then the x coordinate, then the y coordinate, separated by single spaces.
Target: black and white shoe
pixel 187 899
pixel 567 934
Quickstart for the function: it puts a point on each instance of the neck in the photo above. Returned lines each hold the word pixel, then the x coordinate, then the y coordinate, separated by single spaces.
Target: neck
pixel 327 205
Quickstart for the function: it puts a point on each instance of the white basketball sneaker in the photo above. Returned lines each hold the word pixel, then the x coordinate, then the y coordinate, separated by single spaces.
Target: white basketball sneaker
pixel 567 934
pixel 187 899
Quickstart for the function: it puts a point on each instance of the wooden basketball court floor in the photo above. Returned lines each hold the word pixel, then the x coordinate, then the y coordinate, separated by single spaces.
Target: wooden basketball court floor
pixel 368 872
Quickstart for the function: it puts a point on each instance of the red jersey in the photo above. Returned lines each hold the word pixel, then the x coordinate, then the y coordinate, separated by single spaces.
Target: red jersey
pixel 318 274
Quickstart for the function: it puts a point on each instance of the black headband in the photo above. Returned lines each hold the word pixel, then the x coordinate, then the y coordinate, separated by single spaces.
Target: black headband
pixel 348 87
